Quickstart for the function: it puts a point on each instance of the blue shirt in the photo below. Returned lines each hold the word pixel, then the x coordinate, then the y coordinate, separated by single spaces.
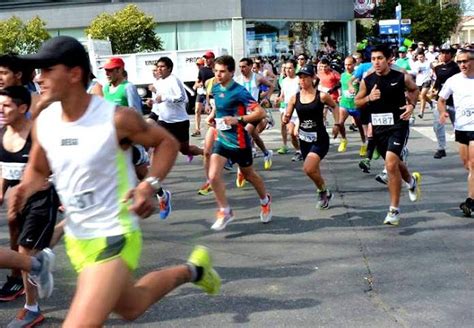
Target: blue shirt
pixel 361 69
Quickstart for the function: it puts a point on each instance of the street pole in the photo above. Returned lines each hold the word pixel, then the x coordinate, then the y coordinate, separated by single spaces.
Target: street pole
pixel 398 16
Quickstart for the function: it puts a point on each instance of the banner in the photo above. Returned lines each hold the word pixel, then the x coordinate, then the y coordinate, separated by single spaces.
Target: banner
pixel 364 8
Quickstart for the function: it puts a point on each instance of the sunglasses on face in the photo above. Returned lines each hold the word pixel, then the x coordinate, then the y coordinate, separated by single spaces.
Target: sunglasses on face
pixel 465 61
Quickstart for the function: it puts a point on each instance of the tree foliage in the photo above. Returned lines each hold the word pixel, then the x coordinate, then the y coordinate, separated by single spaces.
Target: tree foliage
pixel 129 30
pixel 21 38
pixel 430 23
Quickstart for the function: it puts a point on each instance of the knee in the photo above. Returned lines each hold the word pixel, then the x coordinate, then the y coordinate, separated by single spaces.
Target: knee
pixel 392 166
pixel 470 165
pixel 310 170
pixel 130 314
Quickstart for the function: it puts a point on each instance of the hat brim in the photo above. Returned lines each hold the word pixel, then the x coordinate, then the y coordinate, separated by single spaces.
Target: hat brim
pixel 39 60
pixel 113 66
pixel 304 73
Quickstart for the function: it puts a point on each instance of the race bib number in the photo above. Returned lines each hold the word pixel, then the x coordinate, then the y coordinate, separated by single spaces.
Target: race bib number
pixel 468 112
pixel 82 200
pixel 348 94
pixel 220 125
pixel 382 119
pixel 308 136
pixel 12 171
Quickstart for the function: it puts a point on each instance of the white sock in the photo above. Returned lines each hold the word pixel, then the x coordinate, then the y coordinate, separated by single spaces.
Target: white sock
pixel 264 201
pixel 226 210
pixel 393 209
pixel 33 308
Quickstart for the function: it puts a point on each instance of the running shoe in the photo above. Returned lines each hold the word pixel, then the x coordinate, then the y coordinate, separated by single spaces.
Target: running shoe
pixel 205 189
pixel 210 281
pixel 270 120
pixel 267 160
pixel 353 127
pixel 382 178
pixel 165 205
pixel 282 150
pixel 392 218
pixel 415 191
pixel 266 211
pixel 324 198
pixel 240 180
pixel 12 289
pixel 222 220
pixel 43 280
pixel 298 157
pixel 404 155
pixel 196 133
pixel 190 158
pixel 342 146
pixel 363 150
pixel 365 165
pixel 26 318
pixel 440 153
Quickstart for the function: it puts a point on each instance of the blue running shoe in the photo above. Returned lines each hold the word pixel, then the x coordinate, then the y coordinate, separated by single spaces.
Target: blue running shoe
pixel 165 205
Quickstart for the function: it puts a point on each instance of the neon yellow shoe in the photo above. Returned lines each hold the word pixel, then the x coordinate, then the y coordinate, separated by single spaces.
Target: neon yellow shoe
pixel 342 146
pixel 205 189
pixel 376 154
pixel 240 180
pixel 210 281
pixel 363 151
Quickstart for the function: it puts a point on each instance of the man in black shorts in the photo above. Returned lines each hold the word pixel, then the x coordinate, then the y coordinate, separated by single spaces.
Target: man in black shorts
pixel 36 222
pixel 382 94
pixel 205 73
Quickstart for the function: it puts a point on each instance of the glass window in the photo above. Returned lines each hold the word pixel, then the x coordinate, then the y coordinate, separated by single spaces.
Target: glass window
pixel 291 38
pixel 167 34
pixel 204 34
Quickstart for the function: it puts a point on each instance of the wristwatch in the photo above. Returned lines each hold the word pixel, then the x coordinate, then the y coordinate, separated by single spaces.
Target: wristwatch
pixel 154 183
pixel 241 119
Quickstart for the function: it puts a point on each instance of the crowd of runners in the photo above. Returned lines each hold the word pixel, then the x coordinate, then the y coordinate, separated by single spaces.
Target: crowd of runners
pixel 72 145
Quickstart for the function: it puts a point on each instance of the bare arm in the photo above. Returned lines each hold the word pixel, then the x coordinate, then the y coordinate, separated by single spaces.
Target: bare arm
pixel 412 97
pixel 130 125
pixel 443 115
pixel 327 99
pixel 289 110
pixel 270 85
pixel 362 99
pixel 36 173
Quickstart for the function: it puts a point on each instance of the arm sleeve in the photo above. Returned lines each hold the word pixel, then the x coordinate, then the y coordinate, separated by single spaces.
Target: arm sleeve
pixel 133 97
pixel 177 93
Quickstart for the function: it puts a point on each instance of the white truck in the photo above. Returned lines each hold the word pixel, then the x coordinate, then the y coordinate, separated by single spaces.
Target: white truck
pixel 139 66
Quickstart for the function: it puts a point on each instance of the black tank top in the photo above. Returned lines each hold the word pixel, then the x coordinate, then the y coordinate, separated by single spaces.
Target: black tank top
pixel 392 90
pixel 311 114
pixel 13 163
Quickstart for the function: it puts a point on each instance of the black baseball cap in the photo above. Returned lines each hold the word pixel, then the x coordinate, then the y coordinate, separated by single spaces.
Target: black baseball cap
pixel 306 70
pixel 447 49
pixel 64 50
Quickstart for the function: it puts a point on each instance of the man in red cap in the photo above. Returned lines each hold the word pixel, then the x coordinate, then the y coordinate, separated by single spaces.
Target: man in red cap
pixel 120 91
pixel 205 73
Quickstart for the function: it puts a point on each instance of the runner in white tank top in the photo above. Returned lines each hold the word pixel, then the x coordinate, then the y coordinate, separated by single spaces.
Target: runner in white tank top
pixel 85 142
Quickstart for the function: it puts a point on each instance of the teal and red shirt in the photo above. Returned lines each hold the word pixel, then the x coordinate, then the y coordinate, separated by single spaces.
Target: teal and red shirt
pixel 233 100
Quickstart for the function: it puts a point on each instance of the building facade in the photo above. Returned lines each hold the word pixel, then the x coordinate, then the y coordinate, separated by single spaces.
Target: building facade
pixel 242 27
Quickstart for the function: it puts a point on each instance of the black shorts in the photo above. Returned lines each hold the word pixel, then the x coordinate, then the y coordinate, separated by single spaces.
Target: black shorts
pixel 464 137
pixel 180 130
pixel 201 99
pixel 392 140
pixel 38 218
pixel 153 116
pixel 425 85
pixel 320 147
pixel 243 157
pixel 365 116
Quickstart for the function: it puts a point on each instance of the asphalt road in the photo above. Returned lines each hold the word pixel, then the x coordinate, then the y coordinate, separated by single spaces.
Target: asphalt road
pixel 309 268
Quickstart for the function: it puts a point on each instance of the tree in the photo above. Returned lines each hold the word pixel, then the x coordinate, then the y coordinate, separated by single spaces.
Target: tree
pixel 430 22
pixel 129 30
pixel 19 38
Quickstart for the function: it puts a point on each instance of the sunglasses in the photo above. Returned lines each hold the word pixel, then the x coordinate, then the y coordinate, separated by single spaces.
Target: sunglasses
pixel 465 61
pixel 301 59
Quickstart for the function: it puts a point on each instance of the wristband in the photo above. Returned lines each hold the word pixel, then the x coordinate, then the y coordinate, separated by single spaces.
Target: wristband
pixel 241 120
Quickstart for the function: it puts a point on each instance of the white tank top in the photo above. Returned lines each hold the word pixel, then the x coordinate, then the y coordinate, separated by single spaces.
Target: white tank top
pixel 251 85
pixel 91 172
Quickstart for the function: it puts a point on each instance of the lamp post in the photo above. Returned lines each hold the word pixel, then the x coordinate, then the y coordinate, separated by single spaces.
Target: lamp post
pixel 398 16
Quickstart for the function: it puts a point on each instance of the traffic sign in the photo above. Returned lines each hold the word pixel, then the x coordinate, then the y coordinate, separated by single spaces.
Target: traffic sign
pixel 391 26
